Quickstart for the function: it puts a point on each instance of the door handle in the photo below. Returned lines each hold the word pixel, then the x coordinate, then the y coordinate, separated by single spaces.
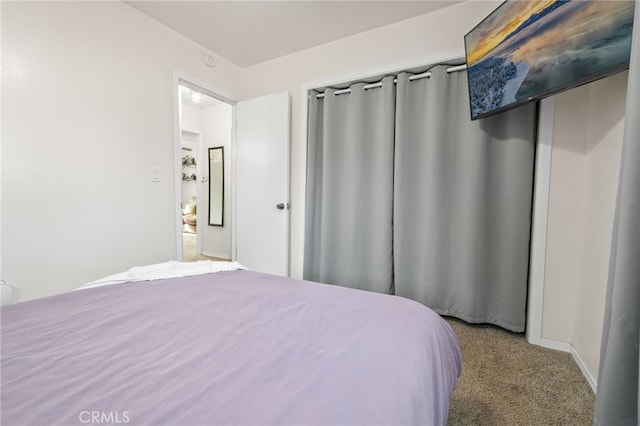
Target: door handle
pixel 280 206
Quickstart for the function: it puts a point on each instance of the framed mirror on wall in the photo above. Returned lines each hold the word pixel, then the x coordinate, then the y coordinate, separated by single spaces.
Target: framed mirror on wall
pixel 216 186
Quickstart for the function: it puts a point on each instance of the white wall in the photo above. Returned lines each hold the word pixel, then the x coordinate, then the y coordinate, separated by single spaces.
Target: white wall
pixel 1 183
pixel 585 165
pixel 87 112
pixel 419 41
pixel 190 118
pixel 564 220
pixel 217 122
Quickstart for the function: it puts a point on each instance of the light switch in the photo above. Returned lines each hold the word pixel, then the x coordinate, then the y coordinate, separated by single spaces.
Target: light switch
pixel 155 174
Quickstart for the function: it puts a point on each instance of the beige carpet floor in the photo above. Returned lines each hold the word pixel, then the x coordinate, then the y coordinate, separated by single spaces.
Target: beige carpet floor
pixel 507 381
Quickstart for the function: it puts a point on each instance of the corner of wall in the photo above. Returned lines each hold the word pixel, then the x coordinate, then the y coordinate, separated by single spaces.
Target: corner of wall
pixel 603 150
pixel 588 133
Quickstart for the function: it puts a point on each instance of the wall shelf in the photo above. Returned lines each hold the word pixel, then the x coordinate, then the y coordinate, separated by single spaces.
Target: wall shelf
pixel 188 162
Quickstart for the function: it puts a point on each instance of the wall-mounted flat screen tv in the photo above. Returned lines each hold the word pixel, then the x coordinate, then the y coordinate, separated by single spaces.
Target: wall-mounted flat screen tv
pixel 527 50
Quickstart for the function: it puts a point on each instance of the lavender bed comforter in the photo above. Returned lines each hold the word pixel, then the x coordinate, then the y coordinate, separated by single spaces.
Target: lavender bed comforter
pixel 230 348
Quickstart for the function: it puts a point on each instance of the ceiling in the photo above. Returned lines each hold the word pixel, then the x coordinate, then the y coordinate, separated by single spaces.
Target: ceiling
pixel 250 32
pixel 205 102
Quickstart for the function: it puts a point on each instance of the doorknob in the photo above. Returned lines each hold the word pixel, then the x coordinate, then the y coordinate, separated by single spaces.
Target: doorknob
pixel 280 206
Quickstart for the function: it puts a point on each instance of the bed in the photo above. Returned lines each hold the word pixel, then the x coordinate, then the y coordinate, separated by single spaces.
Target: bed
pixel 225 347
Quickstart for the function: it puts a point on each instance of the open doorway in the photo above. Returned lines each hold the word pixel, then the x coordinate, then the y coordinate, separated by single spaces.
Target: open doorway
pixel 205 124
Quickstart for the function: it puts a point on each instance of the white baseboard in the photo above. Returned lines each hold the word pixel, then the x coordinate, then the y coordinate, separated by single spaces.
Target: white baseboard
pixel 585 371
pixel 568 347
pixel 555 344
pixel 212 254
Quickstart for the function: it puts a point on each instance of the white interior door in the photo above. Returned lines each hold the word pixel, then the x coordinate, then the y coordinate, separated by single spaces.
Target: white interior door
pixel 262 184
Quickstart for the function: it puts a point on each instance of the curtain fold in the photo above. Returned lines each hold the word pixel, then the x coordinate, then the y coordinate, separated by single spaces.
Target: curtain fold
pixel 462 202
pixel 617 398
pixel 348 228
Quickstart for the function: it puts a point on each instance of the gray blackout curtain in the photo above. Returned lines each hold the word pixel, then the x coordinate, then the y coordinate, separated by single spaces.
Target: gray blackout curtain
pixel 462 202
pixel 405 195
pixel 349 206
pixel 617 399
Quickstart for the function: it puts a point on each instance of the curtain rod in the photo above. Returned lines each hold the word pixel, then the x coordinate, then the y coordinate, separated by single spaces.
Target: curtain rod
pixel 425 74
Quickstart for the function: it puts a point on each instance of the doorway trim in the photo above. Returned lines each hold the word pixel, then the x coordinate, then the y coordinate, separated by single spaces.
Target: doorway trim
pixel 182 79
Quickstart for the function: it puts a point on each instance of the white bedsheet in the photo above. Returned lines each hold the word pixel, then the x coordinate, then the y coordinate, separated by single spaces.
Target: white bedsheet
pixel 161 271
